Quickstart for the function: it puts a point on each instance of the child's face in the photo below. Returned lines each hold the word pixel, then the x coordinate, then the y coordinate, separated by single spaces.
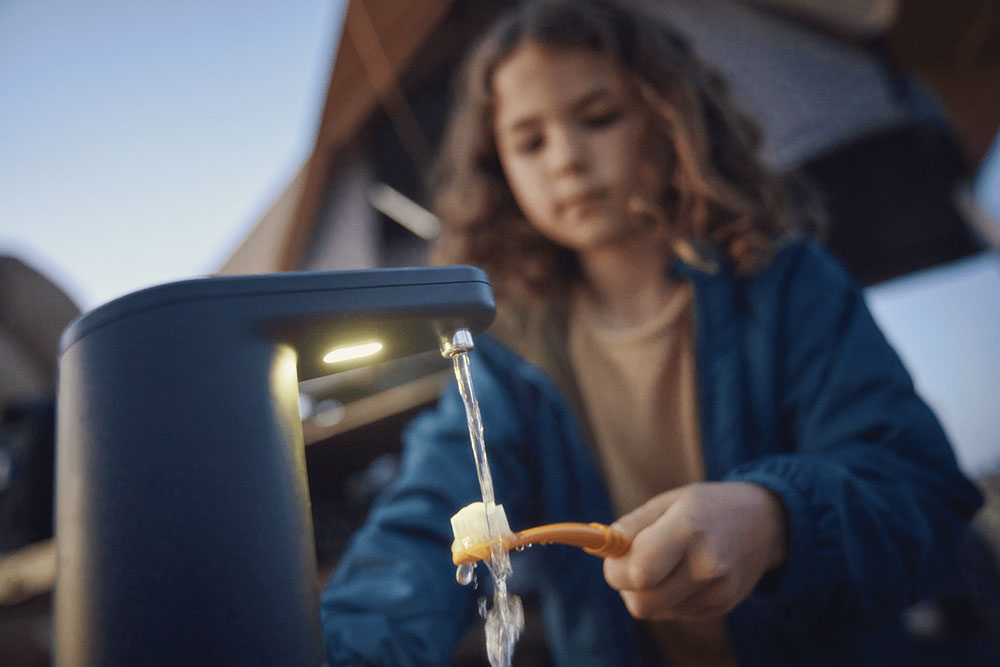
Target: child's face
pixel 570 137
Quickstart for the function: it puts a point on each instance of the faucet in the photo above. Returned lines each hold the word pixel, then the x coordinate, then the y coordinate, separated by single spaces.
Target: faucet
pixel 183 526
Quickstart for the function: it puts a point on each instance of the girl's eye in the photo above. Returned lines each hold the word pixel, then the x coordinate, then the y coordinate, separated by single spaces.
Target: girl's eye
pixel 602 118
pixel 528 145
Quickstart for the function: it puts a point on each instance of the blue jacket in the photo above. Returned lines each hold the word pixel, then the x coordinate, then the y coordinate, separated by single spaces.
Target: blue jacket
pixel 799 392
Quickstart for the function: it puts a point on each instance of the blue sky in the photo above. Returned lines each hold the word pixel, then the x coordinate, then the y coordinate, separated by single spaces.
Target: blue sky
pixel 140 141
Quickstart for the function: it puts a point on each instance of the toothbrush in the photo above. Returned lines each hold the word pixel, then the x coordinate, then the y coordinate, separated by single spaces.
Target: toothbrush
pixel 472 538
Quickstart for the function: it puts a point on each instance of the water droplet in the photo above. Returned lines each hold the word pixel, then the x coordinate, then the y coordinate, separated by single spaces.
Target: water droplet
pixel 465 573
pixel 483 607
pixel 520 547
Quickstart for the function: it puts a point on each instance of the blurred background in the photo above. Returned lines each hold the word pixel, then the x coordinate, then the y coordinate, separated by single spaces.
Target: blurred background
pixel 143 143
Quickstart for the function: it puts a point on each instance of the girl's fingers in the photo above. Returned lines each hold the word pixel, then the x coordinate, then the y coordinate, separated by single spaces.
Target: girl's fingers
pixel 657 548
pixel 708 601
pixel 654 601
pixel 698 550
pixel 680 597
pixel 644 515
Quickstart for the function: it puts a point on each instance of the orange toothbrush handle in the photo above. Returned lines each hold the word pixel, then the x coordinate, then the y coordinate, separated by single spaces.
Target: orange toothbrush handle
pixel 594 538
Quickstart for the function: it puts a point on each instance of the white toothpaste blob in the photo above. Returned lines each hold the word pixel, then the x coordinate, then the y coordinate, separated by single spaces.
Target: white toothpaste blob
pixel 471 525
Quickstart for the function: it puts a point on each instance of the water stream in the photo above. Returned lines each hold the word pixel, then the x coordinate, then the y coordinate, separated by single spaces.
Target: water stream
pixel 505 619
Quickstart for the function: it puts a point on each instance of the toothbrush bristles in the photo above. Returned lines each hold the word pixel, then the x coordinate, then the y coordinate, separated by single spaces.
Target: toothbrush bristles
pixel 470 526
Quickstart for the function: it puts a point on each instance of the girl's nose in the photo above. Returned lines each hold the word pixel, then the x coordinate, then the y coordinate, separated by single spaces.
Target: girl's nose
pixel 567 152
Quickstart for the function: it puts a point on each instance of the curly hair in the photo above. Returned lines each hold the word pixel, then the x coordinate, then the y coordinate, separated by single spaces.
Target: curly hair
pixel 718 201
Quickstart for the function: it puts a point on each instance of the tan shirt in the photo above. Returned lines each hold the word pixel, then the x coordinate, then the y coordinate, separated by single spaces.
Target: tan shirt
pixel 638 386
pixel 639 390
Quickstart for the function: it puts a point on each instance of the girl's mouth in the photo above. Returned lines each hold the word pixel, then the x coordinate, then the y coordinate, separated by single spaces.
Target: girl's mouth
pixel 582 200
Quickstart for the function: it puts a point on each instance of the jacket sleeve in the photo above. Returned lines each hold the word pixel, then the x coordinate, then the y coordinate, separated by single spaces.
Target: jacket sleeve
pixel 875 501
pixel 393 598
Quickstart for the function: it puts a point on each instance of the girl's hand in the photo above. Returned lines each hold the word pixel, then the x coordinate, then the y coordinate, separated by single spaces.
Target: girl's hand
pixel 698 550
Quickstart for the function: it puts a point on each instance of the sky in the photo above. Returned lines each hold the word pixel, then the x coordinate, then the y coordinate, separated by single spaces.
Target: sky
pixel 140 141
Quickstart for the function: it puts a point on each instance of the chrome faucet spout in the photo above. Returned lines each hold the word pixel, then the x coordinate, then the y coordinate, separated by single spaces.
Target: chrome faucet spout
pixel 455 343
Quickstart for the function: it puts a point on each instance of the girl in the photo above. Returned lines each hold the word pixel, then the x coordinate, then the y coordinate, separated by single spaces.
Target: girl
pixel 665 352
